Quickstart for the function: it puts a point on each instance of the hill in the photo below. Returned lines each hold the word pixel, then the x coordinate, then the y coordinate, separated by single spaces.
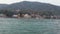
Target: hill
pixel 35 6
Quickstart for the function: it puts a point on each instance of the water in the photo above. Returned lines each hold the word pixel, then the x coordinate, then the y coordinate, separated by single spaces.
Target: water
pixel 29 26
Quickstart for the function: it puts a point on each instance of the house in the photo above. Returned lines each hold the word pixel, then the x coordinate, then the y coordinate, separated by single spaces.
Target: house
pixel 27 16
pixel 2 15
pixel 15 16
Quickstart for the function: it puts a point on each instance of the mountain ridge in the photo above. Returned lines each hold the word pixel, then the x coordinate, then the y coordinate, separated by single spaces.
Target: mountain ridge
pixel 37 6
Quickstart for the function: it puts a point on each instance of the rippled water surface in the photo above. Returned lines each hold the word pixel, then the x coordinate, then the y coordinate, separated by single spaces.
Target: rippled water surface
pixel 29 26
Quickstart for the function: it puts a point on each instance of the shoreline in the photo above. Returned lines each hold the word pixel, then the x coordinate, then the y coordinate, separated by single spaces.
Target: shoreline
pixel 27 18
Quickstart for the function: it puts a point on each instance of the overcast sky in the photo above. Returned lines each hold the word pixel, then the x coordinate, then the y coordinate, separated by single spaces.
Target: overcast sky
pixel 55 2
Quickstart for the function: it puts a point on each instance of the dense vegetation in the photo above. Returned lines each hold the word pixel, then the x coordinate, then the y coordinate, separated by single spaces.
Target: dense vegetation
pixel 9 13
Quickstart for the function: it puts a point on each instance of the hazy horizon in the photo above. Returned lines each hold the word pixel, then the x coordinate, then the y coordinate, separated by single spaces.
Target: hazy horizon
pixel 54 2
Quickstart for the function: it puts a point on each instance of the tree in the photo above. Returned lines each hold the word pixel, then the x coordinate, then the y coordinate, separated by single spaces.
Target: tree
pixel 8 13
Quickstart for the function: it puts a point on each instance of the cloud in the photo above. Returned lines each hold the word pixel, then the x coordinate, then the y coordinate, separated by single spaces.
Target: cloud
pixel 9 1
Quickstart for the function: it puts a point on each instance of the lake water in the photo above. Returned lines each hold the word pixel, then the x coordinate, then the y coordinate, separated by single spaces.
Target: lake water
pixel 29 26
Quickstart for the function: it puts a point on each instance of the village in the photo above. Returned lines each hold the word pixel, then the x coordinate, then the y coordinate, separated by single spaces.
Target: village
pixel 36 15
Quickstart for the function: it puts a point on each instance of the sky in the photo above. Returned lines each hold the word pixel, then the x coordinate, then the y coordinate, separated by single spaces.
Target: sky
pixel 55 2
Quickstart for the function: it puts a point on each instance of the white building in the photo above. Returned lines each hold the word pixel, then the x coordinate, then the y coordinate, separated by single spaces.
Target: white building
pixel 15 16
pixel 2 15
pixel 27 16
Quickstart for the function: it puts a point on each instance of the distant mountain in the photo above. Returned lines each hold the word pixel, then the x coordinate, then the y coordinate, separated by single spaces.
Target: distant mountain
pixel 3 6
pixel 37 6
pixel 34 6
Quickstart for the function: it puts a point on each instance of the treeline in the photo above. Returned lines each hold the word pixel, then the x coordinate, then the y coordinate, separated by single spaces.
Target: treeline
pixel 10 13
